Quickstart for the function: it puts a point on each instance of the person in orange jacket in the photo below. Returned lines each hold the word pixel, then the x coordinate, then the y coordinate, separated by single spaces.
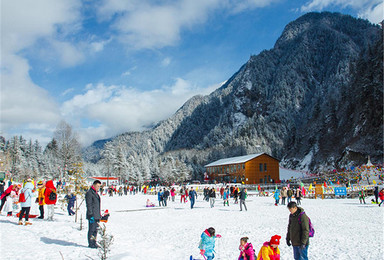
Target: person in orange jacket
pixel 40 198
pixel 270 249
pixel 50 198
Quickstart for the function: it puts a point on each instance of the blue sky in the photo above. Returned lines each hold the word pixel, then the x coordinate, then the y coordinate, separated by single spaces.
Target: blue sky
pixel 108 67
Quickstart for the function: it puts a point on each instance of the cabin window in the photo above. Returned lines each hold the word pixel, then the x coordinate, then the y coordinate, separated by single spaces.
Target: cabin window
pixel 265 167
pixel 261 167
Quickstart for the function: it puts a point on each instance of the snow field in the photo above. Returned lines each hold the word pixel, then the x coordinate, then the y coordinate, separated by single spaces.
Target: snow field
pixel 344 229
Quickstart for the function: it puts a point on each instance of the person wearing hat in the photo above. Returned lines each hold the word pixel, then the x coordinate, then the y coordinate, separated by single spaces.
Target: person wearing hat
pixel 270 249
pixel 40 198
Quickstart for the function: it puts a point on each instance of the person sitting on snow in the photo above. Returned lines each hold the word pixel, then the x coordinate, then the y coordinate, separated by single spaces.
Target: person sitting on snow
pixel 149 204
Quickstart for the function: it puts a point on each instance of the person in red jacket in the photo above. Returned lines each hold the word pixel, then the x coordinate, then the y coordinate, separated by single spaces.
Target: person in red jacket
pixel 50 198
pixel 381 196
pixel 7 192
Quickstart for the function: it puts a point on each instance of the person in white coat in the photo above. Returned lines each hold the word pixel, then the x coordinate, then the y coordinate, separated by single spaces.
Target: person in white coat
pixel 26 205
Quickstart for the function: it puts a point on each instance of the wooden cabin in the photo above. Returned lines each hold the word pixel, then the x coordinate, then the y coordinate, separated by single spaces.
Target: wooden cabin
pixel 248 169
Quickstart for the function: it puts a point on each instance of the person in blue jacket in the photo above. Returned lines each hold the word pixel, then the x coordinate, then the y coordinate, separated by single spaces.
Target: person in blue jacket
pixel 192 197
pixel 71 199
pixel 160 197
pixel 277 197
pixel 207 243
pixel 226 195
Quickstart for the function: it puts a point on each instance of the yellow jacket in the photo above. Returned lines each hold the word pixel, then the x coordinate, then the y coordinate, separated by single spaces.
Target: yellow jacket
pixel 41 196
pixel 267 253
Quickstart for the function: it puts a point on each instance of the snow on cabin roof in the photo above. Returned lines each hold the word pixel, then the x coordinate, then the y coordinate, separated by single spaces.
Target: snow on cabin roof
pixel 234 160
pixel 104 178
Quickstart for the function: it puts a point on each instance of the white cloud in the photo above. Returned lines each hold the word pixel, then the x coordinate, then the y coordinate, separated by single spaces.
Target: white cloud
pixel 368 9
pixel 24 105
pixel 165 62
pixel 142 24
pixel 118 109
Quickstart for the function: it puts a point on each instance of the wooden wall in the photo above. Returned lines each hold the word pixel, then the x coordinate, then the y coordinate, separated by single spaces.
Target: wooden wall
pixel 251 172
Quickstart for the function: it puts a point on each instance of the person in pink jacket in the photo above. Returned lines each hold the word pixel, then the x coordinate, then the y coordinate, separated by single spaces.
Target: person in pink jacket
pixel 246 250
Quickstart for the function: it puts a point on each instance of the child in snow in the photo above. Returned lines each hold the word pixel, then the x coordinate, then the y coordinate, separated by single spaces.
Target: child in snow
pixel 246 250
pixel 149 204
pixel 270 249
pixel 277 197
pixel 26 204
pixel 40 198
pixel 11 199
pixel 207 243
pixel 71 199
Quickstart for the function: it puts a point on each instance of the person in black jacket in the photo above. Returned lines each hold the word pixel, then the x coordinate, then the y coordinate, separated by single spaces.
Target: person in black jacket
pixel 92 200
pixel 212 196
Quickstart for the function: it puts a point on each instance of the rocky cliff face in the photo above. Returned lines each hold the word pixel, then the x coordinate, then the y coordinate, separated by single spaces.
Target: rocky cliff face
pixel 315 100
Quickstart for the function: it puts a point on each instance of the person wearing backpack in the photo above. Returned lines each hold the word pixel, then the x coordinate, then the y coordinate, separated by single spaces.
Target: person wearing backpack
pixel 246 250
pixel 25 202
pixel 50 198
pixel 270 249
pixel 298 231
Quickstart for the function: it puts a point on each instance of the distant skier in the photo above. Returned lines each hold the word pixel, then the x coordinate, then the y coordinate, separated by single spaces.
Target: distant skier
pixel 192 197
pixel 207 243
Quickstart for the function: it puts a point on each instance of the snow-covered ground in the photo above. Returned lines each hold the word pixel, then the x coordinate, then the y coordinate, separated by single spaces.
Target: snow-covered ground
pixel 344 229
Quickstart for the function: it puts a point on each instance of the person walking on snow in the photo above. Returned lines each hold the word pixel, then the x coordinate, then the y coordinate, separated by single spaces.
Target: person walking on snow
pixel 50 198
pixel 160 197
pixel 226 196
pixel 243 196
pixel 298 196
pixel 71 199
pixel 212 197
pixel 192 197
pixel 246 250
pixel 207 243
pixel 92 201
pixel 26 205
pixel 376 193
pixel 362 196
pixel 284 195
pixel 289 194
pixel 277 197
pixel 270 249
pixel 298 233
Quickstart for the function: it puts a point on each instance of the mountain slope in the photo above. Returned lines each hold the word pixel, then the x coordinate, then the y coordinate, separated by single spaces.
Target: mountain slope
pixel 314 100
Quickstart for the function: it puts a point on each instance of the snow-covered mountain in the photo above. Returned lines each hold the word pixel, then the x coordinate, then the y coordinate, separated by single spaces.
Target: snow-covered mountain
pixel 314 100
